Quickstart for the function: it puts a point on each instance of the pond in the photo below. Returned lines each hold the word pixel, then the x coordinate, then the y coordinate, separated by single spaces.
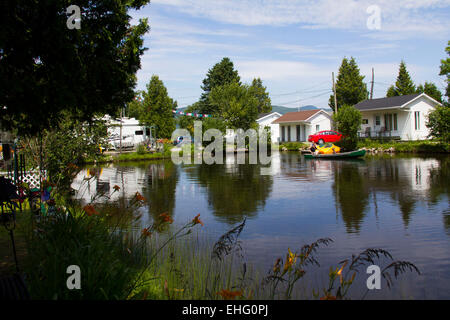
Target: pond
pixel 398 203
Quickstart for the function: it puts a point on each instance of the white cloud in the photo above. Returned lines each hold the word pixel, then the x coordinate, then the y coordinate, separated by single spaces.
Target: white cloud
pixel 279 70
pixel 428 17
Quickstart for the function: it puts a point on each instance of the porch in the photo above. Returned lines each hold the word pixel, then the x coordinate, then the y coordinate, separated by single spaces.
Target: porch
pixel 295 132
pixel 384 124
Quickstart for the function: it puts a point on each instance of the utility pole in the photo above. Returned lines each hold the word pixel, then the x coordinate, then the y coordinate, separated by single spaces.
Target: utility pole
pixel 335 99
pixel 371 87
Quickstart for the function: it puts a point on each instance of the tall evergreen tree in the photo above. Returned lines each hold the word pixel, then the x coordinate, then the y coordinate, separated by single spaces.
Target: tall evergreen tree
pixel 350 88
pixel 158 108
pixel 220 74
pixel 445 71
pixel 430 89
pixel 236 104
pixel 404 84
pixel 259 91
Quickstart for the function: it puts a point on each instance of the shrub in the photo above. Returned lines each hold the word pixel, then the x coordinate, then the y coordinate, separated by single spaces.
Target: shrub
pixel 348 122
pixel 141 149
pixel 439 123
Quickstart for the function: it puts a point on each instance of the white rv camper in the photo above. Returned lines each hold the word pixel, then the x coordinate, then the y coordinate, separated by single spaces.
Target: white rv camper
pixel 133 134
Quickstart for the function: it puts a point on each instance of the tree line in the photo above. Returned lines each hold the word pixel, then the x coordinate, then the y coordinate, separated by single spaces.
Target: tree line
pixel 231 103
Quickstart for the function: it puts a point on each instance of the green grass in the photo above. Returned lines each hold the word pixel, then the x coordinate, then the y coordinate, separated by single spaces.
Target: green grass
pixel 293 146
pixel 407 146
pixel 7 263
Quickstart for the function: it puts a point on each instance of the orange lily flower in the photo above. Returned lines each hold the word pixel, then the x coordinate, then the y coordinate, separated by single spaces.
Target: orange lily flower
pixel 197 220
pixel 146 232
pixel 166 218
pixel 116 188
pixel 90 210
pixel 229 295
pixel 139 197
pixel 290 260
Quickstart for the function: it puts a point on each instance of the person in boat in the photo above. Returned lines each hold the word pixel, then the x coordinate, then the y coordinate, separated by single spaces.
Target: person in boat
pixel 313 148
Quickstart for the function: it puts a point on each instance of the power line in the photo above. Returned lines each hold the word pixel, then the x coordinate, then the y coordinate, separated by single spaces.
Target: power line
pixel 303 99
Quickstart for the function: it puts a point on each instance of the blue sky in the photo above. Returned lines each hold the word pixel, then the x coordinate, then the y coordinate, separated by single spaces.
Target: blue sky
pixel 292 45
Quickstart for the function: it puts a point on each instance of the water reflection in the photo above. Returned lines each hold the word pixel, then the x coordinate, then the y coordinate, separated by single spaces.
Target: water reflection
pixel 399 203
pixel 233 191
pixel 161 187
pixel 407 182
pixel 351 192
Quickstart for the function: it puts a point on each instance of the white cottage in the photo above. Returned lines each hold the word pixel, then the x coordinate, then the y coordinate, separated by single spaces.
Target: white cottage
pixel 401 117
pixel 297 126
pixel 266 120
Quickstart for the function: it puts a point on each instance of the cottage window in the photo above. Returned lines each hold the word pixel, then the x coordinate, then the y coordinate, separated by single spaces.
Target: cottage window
pixel 317 127
pixel 298 133
pixel 417 119
pixel 139 133
pixel 395 121
pixel 377 120
pixel 365 121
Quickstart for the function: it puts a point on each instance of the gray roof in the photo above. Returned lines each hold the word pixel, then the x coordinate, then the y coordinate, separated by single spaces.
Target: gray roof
pixel 385 102
pixel 261 115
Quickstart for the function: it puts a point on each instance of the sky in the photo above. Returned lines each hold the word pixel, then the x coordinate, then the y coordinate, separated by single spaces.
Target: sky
pixel 292 45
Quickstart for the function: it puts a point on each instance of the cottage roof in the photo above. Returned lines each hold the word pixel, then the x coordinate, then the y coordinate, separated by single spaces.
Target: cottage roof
pixel 384 103
pixel 297 116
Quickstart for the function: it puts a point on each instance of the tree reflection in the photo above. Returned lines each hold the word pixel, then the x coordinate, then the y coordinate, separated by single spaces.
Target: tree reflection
pixel 351 193
pixel 235 191
pixel 439 185
pixel 160 191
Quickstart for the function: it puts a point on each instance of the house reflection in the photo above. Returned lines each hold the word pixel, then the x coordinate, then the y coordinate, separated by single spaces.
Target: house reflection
pixel 406 181
pixel 156 182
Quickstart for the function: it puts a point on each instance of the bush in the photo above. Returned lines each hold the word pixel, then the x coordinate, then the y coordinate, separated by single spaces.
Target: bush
pixel 348 122
pixel 141 149
pixel 293 146
pixel 439 123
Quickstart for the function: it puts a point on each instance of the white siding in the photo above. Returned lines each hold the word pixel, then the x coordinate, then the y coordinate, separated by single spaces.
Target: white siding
pixel 322 121
pixel 306 128
pixel 423 106
pixel 274 127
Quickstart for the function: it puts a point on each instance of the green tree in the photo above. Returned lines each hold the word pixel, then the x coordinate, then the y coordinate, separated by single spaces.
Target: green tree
pixel 158 108
pixel 404 85
pixel 350 88
pixel 236 104
pixel 71 142
pixel 46 68
pixel 431 90
pixel 220 74
pixel 135 107
pixel 259 91
pixel 439 123
pixel 445 70
pixel 348 122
